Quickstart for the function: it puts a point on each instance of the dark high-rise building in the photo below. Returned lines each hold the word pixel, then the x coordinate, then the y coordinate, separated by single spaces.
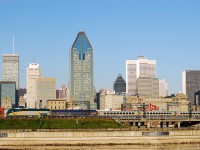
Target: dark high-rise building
pixel 81 73
pixel 8 94
pixel 119 85
pixel 22 92
pixel 191 83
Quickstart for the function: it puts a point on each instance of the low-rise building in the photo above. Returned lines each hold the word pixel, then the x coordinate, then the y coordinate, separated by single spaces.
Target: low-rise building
pixel 178 103
pixel 6 102
pixel 2 112
pixel 56 104
pixel 110 101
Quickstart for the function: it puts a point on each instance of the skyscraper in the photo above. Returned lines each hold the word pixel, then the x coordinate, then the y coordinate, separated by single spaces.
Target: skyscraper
pixel 11 68
pixel 81 72
pixel 147 86
pixel 45 90
pixel 33 72
pixel 191 83
pixel 136 68
pixel 163 88
pixel 119 85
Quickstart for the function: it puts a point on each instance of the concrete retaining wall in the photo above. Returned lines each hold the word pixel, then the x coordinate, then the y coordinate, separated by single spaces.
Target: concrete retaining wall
pixel 102 138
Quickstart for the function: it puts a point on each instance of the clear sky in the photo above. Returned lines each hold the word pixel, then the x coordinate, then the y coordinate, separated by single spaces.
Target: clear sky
pixel 165 30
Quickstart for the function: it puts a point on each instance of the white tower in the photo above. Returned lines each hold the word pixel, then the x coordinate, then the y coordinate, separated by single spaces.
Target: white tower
pixel 33 72
pixel 137 68
pixel 163 88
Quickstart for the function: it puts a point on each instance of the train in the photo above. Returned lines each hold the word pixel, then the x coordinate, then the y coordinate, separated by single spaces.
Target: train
pixel 153 115
pixel 27 113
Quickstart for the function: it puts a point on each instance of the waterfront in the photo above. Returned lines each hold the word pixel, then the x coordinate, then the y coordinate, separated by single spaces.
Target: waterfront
pixel 110 147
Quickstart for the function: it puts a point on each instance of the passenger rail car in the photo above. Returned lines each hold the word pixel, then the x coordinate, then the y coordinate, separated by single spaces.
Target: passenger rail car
pixel 154 115
pixel 73 113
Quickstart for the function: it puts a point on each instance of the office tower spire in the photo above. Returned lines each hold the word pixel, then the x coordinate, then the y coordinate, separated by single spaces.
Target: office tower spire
pixel 13 43
pixel 81 73
pixel 10 69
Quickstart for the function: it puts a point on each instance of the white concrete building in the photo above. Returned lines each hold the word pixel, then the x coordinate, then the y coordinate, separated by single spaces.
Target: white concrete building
pixel 163 88
pixel 136 68
pixel 68 93
pixel 110 101
pixel 33 72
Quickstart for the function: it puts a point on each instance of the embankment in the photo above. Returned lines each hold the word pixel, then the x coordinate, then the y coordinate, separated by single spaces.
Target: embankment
pixel 99 137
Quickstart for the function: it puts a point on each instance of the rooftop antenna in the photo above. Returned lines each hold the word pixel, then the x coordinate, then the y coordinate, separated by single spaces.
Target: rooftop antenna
pixel 13 43
pixel 140 53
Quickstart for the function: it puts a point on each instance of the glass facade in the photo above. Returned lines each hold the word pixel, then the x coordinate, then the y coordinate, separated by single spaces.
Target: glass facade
pixel 8 90
pixel 11 68
pixel 81 71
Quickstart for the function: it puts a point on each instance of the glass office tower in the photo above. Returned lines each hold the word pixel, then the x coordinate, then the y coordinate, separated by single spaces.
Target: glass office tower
pixel 11 68
pixel 81 73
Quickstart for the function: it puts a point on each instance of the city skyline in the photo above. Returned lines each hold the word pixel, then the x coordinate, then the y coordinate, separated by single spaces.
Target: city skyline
pixel 166 31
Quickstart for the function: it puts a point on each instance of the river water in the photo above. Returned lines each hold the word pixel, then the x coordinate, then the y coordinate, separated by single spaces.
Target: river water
pixel 105 147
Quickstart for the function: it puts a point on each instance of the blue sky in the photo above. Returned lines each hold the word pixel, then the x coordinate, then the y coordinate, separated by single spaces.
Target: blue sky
pixel 165 30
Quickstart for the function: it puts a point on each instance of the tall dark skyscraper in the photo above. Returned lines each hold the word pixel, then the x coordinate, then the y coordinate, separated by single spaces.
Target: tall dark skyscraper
pixel 81 73
pixel 191 83
pixel 119 85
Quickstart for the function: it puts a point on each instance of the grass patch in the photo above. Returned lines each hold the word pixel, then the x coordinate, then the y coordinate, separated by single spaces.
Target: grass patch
pixel 69 123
